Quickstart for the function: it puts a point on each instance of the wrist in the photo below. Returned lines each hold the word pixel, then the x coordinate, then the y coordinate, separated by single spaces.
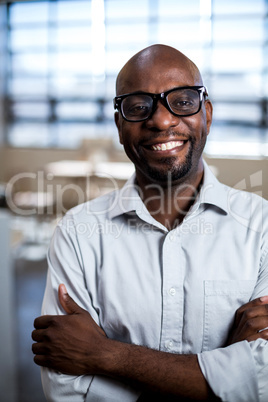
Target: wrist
pixel 106 358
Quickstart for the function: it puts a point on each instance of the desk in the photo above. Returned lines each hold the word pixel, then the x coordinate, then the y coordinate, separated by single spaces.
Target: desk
pixel 118 170
pixel 82 169
pixel 69 169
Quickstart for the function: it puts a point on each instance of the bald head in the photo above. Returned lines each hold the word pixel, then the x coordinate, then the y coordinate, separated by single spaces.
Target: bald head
pixel 157 60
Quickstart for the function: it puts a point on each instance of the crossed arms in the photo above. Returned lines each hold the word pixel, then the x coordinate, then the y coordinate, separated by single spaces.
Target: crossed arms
pixel 74 344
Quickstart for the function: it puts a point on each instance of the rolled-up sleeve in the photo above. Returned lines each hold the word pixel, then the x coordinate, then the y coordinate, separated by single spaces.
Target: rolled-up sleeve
pixel 259 350
pixel 103 389
pixel 59 387
pixel 239 372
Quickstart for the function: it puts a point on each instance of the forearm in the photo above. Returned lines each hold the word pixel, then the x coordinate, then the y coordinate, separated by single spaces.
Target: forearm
pixel 74 344
pixel 151 370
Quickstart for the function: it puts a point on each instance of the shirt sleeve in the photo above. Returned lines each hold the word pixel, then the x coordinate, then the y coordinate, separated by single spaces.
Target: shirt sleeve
pixel 65 265
pixel 231 372
pixel 239 372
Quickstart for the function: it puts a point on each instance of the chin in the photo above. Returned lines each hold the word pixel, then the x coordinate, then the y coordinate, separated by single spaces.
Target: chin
pixel 164 177
pixel 167 174
pixel 172 171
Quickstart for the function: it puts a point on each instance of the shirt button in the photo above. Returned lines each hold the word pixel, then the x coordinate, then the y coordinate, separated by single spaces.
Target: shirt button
pixel 172 291
pixel 169 344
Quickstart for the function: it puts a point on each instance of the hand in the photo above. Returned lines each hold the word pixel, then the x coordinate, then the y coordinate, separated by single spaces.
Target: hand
pixel 71 343
pixel 251 319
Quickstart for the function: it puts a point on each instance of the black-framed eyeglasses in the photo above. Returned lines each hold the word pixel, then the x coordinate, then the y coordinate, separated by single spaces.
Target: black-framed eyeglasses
pixel 180 101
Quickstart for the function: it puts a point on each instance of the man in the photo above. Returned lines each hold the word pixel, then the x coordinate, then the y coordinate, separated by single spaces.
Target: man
pixel 158 269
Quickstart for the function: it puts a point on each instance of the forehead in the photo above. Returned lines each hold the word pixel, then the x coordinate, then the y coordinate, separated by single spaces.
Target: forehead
pixel 156 77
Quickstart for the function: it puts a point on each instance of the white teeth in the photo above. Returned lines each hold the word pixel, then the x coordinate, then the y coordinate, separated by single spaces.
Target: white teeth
pixel 167 145
pixel 156 147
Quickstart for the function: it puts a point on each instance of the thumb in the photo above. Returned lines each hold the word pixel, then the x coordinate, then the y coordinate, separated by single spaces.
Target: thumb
pixel 69 305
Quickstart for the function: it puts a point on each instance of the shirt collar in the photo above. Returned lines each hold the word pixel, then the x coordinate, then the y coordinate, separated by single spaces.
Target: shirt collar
pixel 212 191
pixel 127 199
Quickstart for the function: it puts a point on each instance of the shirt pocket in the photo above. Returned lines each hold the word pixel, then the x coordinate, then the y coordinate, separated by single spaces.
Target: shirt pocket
pixel 221 300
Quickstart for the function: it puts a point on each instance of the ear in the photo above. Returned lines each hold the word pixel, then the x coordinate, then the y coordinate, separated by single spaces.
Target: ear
pixel 209 113
pixel 117 122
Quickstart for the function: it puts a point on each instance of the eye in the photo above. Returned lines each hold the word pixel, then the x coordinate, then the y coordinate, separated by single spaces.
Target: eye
pixel 181 103
pixel 183 100
pixel 137 105
pixel 138 108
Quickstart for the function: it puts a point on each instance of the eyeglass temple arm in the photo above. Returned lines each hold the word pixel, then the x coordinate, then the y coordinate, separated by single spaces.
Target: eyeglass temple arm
pixel 204 91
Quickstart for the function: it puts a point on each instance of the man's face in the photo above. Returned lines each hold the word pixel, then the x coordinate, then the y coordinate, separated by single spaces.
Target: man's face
pixel 165 145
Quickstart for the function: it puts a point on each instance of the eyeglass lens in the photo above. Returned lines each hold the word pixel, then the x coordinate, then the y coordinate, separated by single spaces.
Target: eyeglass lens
pixel 137 107
pixel 181 102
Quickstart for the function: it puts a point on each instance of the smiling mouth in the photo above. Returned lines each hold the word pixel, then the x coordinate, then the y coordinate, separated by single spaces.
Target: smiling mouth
pixel 167 145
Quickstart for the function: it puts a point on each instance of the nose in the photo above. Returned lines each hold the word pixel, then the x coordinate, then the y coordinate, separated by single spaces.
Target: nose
pixel 162 119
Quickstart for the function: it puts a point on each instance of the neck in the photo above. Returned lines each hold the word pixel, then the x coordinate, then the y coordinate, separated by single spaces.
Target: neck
pixel 169 204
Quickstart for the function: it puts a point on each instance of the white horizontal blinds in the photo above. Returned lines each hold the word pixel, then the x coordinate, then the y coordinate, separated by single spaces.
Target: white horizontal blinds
pixel 64 56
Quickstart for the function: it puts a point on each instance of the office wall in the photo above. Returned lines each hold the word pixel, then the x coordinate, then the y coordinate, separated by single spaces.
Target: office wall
pixel 244 174
pixel 19 160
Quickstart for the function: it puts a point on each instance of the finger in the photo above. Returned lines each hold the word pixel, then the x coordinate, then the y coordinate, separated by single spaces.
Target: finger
pixel 45 361
pixel 259 335
pixel 42 360
pixel 43 322
pixel 39 348
pixel 256 324
pixel 38 335
pixel 260 301
pixel 253 303
pixel 69 305
pixel 253 313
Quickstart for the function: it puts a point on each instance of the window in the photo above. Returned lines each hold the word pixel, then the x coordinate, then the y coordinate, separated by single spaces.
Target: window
pixel 64 56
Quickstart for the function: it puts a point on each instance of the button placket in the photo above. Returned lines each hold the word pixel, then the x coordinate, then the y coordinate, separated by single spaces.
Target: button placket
pixel 171 334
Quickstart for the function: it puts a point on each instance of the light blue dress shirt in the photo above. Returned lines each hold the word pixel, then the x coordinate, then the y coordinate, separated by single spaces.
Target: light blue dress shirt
pixel 175 291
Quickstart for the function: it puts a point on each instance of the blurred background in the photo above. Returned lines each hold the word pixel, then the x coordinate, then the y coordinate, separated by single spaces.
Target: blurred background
pixel 58 142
